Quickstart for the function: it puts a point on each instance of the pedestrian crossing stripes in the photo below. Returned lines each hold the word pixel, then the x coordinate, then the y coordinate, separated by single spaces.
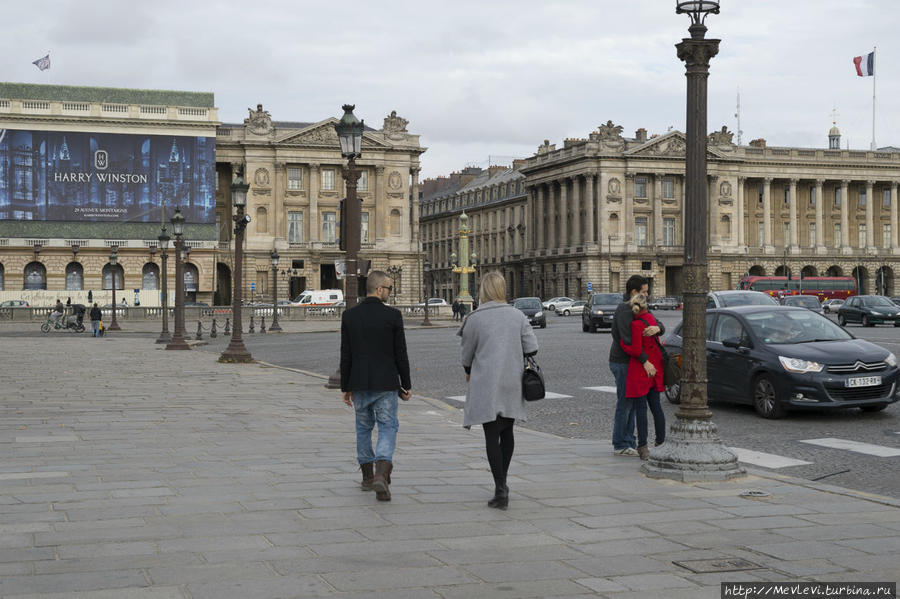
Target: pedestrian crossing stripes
pixel 602 389
pixel 547 395
pixel 855 446
pixel 766 460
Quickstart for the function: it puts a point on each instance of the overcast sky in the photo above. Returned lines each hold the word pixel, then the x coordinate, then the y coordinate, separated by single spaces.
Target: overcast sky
pixel 480 79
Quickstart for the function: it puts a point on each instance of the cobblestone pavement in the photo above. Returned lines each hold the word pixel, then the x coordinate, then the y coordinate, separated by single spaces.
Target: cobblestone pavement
pixel 133 472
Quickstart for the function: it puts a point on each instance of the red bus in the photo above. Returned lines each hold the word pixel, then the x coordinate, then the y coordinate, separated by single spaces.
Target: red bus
pixel 822 287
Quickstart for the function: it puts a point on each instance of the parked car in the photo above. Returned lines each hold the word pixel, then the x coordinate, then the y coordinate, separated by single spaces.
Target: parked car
pixel 810 302
pixel 777 358
pixel 869 310
pixel 896 299
pixel 832 305
pixel 598 312
pixel 14 304
pixel 197 305
pixel 664 303
pixel 550 304
pixel 737 297
pixel 434 301
pixel 532 308
pixel 566 308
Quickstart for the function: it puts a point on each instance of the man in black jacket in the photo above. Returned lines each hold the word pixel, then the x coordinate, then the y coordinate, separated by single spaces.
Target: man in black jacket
pixel 374 371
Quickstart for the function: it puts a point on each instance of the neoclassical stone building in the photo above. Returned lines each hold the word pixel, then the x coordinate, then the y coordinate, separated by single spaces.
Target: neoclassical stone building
pixel 294 171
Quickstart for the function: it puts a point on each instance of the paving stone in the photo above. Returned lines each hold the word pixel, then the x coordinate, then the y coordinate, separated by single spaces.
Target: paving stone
pixel 513 590
pixel 515 572
pixel 275 587
pixel 70 582
pixel 150 593
pixel 397 578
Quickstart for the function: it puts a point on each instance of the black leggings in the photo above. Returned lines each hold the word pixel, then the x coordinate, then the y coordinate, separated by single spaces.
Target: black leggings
pixel 498 436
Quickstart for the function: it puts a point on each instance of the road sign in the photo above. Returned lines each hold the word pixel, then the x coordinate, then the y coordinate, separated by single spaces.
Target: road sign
pixel 590 286
pixel 252 286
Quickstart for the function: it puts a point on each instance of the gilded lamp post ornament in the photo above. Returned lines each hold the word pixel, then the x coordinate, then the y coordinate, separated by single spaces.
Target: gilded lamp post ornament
pixel 464 268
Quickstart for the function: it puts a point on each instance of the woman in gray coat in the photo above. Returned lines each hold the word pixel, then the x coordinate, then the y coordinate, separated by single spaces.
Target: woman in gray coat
pixel 495 337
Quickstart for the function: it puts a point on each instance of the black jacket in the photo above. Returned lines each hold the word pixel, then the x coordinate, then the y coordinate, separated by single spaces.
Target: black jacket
pixel 96 314
pixel 373 348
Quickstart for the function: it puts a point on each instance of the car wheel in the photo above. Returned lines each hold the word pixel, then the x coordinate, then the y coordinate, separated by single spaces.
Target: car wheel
pixel 765 398
pixel 673 393
pixel 551 307
pixel 544 325
pixel 872 408
pixel 897 323
pixel 45 328
pixel 79 328
pixel 585 328
pixel 566 312
pixel 865 321
pixel 841 320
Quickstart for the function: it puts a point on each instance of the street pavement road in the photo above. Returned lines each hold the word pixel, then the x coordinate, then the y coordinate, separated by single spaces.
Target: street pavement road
pixel 867 456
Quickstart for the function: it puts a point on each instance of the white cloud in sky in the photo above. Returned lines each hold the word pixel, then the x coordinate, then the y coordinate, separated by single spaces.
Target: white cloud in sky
pixel 479 79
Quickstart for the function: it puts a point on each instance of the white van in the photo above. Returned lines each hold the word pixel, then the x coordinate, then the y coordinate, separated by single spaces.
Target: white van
pixel 322 297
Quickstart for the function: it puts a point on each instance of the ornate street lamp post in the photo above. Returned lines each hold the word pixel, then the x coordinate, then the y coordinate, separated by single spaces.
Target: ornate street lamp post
pixel 533 268
pixel 693 450
pixel 178 341
pixel 164 336
pixel 394 272
pixel 275 326
pixel 236 350
pixel 113 262
pixel 426 270
pixel 464 268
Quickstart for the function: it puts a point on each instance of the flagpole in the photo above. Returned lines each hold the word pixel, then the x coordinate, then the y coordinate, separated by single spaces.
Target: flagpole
pixel 874 75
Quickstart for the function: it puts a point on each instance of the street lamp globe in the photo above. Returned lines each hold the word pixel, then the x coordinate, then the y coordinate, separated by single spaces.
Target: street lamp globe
pixel 239 189
pixel 349 130
pixel 274 257
pixel 426 265
pixel 113 258
pixel 453 257
pixel 163 239
pixel 178 223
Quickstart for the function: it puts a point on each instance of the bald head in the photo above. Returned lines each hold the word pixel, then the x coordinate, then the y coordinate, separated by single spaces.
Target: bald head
pixel 376 279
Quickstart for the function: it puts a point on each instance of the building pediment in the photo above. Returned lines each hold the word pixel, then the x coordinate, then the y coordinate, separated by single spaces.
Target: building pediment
pixel 671 145
pixel 322 134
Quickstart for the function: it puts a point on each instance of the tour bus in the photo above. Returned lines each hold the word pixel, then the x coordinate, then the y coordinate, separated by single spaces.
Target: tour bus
pixel 318 297
pixel 824 288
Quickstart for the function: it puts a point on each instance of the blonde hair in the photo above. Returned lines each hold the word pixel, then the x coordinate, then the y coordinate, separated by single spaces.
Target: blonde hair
pixel 493 288
pixel 638 303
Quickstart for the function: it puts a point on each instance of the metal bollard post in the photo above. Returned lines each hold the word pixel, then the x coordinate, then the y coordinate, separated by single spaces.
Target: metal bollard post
pixel 227 331
pixel 212 332
pixel 252 330
pixel 262 325
pixel 199 330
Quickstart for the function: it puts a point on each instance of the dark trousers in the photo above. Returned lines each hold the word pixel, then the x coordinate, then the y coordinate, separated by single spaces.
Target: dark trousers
pixel 500 442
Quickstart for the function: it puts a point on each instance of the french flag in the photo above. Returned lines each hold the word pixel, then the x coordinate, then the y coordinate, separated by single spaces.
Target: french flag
pixel 865 65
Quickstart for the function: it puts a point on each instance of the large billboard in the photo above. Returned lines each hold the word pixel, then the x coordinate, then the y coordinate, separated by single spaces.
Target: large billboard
pixel 106 177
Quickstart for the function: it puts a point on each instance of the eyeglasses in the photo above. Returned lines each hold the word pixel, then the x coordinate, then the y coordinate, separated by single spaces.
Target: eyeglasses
pixel 389 288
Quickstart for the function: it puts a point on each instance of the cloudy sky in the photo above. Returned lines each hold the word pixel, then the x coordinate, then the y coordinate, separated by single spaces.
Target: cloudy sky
pixel 481 80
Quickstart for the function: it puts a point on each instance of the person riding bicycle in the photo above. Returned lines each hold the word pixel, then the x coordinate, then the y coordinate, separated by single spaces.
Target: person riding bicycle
pixel 57 313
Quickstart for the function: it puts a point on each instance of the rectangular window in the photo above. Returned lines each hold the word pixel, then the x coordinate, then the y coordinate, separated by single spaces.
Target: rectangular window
pixel 862 235
pixel 787 233
pixel 862 197
pixel 295 178
pixel 761 186
pixel 668 188
pixel 327 179
pixel 364 227
pixel 886 198
pixel 363 183
pixel 328 224
pixel 837 197
pixel 812 197
pixel 669 231
pixel 837 235
pixel 760 233
pixel 295 227
pixel 812 235
pixel 886 235
pixel 787 195
pixel 640 231
pixel 640 187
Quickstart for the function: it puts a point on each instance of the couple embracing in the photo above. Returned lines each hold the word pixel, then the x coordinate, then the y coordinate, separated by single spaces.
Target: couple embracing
pixel 635 359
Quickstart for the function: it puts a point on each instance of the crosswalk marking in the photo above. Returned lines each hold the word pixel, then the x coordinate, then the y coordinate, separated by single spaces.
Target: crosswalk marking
pixel 766 460
pixel 457 397
pixel 602 389
pixel 547 395
pixel 855 446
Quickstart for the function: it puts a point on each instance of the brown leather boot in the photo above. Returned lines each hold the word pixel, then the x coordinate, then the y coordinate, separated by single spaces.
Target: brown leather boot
pixel 368 472
pixel 382 476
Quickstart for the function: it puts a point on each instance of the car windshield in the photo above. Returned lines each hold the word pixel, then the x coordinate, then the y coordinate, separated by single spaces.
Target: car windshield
pixel 877 301
pixel 746 299
pixel 794 326
pixel 806 301
pixel 606 299
pixel 528 303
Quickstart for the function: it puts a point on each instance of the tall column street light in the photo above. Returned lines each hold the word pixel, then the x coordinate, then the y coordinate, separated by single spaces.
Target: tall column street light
pixel 394 272
pixel 426 271
pixel 236 350
pixel 164 336
pixel 533 269
pixel 693 450
pixel 114 274
pixel 178 341
pixel 275 326
pixel 349 131
pixel 464 268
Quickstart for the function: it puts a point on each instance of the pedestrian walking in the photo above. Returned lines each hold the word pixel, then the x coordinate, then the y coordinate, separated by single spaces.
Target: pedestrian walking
pixel 90 296
pixel 374 372
pixel 96 317
pixel 642 387
pixel 455 308
pixel 495 339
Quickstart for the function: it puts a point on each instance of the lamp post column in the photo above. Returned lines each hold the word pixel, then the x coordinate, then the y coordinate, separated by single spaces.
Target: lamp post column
pixel 275 326
pixel 693 450
pixel 236 350
pixel 114 260
pixel 164 336
pixel 178 341
pixel 426 270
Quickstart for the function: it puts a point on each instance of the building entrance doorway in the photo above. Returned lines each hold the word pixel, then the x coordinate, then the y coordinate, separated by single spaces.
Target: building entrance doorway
pixel 328 277
pixel 673 280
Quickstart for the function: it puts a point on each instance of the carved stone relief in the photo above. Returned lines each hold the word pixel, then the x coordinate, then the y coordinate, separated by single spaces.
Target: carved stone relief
pixel 259 122
pixel 261 177
pixel 615 186
pixel 725 188
pixel 395 181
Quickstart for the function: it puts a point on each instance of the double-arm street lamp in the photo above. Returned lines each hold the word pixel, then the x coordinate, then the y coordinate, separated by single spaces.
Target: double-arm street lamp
pixel 426 271
pixel 178 341
pixel 275 326
pixel 693 450
pixel 164 336
pixel 394 271
pixel 114 272
pixel 236 351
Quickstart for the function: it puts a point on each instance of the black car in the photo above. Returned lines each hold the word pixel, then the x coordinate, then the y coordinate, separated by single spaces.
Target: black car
pixel 599 311
pixel 869 310
pixel 778 358
pixel 810 302
pixel 532 308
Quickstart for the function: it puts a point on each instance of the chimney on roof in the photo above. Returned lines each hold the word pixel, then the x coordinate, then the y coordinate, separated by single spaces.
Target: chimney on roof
pixel 641 135
pixel 519 163
pixel 497 168
pixel 758 143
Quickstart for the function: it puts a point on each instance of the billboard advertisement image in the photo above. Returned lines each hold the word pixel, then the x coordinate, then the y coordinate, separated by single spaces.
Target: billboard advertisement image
pixel 105 177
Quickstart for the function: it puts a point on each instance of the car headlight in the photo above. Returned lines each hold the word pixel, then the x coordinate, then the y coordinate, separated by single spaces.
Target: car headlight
pixel 538 315
pixel 598 312
pixel 891 360
pixel 798 365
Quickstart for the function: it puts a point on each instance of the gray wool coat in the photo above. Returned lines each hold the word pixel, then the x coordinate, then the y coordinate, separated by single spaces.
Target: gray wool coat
pixel 494 339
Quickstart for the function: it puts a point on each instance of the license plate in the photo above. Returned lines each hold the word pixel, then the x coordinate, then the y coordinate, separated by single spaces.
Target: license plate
pixel 863 381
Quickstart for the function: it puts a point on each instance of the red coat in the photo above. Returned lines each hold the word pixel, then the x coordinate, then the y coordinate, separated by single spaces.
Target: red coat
pixel 637 383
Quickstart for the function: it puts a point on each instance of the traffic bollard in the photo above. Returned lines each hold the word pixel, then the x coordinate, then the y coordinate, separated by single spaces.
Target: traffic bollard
pixel 212 332
pixel 262 325
pixel 227 331
pixel 199 331
pixel 252 330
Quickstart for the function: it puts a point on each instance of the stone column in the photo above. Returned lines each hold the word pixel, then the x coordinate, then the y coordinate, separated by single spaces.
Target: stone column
pixel 540 218
pixel 603 231
pixel 767 214
pixel 279 216
pixel 895 225
pixel 529 219
pixel 870 217
pixel 741 238
pixel 380 205
pixel 564 231
pixel 627 223
pixel 589 209
pixel 845 217
pixel 414 213
pixel 314 182
pixel 509 237
pixel 713 224
pixel 551 216
pixel 576 211
pixel 657 210
pixel 795 234
pixel 820 216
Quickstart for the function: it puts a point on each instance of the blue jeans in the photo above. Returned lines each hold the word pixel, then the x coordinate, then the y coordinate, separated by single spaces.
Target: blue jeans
pixel 623 420
pixel 659 417
pixel 95 327
pixel 372 407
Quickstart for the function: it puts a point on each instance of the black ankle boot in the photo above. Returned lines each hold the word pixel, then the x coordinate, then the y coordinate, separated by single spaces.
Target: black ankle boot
pixel 501 498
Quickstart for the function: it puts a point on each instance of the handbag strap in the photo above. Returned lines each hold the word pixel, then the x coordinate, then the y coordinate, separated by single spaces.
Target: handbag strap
pixel 655 337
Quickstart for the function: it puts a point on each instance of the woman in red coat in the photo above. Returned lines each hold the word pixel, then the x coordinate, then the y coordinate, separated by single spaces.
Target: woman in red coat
pixel 639 387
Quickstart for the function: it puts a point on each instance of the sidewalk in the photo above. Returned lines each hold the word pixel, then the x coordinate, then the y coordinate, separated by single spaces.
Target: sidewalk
pixel 133 472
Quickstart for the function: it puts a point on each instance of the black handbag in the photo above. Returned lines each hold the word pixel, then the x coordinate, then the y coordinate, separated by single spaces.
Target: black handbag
pixel 532 381
pixel 671 366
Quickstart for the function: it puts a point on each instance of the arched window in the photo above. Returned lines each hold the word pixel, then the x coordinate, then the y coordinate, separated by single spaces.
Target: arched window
pixel 809 271
pixel 74 277
pixel 108 271
pixel 191 277
pixel 395 222
pixel 834 271
pixel 1 277
pixel 614 225
pixel 35 276
pixel 262 220
pixel 725 227
pixel 150 277
pixel 757 271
